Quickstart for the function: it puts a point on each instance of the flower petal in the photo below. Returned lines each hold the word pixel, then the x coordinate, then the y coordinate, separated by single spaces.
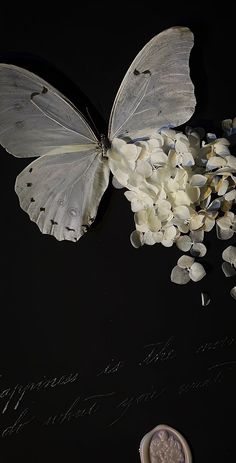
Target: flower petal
pixel 158 157
pixel 228 269
pixel 223 234
pixel 229 255
pixel 184 243
pixel 198 250
pixel 181 212
pixel 116 184
pixel 198 180
pixel 185 261
pixel 197 272
pixel 136 239
pixel 148 238
pixel 233 292
pixel 215 162
pixel 205 299
pixel 209 224
pixel 179 276
pixel 169 233
pixel 197 236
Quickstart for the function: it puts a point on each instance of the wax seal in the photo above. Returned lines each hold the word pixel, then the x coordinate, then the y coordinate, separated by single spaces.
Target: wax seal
pixel 164 445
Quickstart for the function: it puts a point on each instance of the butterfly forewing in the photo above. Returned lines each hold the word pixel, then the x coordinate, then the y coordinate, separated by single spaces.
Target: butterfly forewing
pixel 157 90
pixel 34 117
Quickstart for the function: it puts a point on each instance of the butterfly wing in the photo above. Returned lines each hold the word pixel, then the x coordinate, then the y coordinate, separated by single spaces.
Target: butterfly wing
pixel 60 190
pixel 35 118
pixel 157 90
pixel 61 193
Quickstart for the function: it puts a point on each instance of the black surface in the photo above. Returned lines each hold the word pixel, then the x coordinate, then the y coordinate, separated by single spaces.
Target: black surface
pixel 135 350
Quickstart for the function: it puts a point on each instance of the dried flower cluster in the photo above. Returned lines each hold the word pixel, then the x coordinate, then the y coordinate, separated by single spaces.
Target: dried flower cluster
pixel 180 185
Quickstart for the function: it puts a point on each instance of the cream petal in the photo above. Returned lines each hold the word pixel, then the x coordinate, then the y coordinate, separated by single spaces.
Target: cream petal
pixel 205 298
pixel 116 184
pixel 140 217
pixel 230 196
pixel 148 238
pixel 184 243
pixel 228 269
pixel 224 222
pixel 185 261
pixel 226 124
pixel 144 168
pixel 197 221
pixel 130 195
pixel 154 222
pixel 181 212
pixel 169 233
pixel 223 187
pixel 172 158
pixel 214 205
pixel 231 161
pixel 158 157
pixel 182 227
pixel 193 193
pixel 121 176
pixel 215 162
pixel 136 239
pixel 180 198
pixel 167 243
pixel 221 150
pixel 198 180
pixel 229 255
pixel 197 272
pixel 197 236
pixel 156 142
pixel 198 250
pixel 157 236
pixel 130 151
pixel 179 276
pixel 223 234
pixel 187 159
pixel 233 292
pixel 208 224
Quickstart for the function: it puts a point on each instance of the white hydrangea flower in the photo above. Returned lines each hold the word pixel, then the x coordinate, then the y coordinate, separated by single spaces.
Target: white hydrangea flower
pixel 179 186
pixel 229 256
pixel 187 269
pixel 226 226
pixel 193 243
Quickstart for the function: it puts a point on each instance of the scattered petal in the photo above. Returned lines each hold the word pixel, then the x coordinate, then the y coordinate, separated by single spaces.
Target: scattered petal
pixel 116 184
pixel 233 292
pixel 185 261
pixel 198 180
pixel 205 299
pixel 228 269
pixel 229 255
pixel 198 250
pixel 184 243
pixel 197 272
pixel 136 239
pixel 197 236
pixel 179 276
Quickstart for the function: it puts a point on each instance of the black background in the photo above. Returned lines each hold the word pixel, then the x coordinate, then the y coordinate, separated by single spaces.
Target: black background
pixel 95 307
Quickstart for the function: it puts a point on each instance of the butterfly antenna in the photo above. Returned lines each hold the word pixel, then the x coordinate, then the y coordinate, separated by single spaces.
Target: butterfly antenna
pixel 91 120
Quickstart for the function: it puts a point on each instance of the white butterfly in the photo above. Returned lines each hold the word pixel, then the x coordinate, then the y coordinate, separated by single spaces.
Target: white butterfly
pixel 62 189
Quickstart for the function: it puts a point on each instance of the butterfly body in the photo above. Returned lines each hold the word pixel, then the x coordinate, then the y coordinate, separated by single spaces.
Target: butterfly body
pixel 104 144
pixel 61 189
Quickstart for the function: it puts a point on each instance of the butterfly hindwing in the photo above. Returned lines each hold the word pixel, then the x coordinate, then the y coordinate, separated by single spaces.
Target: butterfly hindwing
pixel 61 193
